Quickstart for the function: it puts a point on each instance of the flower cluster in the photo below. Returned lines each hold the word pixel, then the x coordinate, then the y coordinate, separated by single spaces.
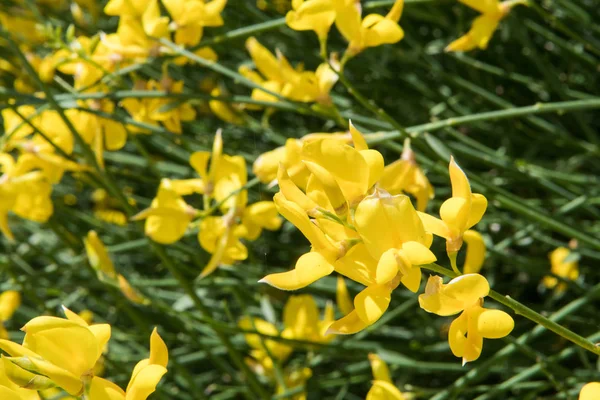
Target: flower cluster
pixel 222 184
pixel 357 228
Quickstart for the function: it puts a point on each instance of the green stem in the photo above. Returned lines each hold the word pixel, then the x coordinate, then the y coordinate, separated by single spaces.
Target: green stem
pixel 527 312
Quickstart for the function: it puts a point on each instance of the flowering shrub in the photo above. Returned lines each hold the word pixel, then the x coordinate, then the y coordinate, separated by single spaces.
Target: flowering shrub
pixel 179 166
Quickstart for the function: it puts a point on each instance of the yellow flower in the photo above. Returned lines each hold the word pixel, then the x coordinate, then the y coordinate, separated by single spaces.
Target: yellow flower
pixel 590 391
pixel 190 18
pixel 169 215
pixel 484 26
pixel 374 30
pixel 145 376
pixel 301 318
pixel 154 111
pixel 63 350
pixel 24 192
pixel 458 214
pixel 405 176
pixel 224 111
pixel 265 167
pixel 465 295
pixel 383 388
pixel 278 76
pixel 567 270
pixel 475 252
pixel 311 15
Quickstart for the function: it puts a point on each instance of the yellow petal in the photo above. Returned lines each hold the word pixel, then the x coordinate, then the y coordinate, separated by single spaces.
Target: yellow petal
pixel 309 268
pixel 8 394
pixel 434 225
pixel 375 163
pixel 144 383
pixel 344 163
pixel 301 315
pixel 371 303
pixel 291 192
pixel 387 267
pixel 590 391
pixel 342 296
pixel 478 36
pixel 102 389
pixel 264 60
pixel 63 343
pixel 396 11
pixel 159 353
pixel 491 324
pixel 412 279
pixel 457 335
pixel 417 253
pixel 380 369
pixel 10 300
pixel 379 30
pixel 460 184
pixel 298 217
pixel 467 288
pixel 455 214
pixel 478 207
pixel 385 222
pixel 382 390
pixel 357 137
pixel 483 6
pixel 358 265
pixel 348 325
pixel 199 161
pixel 475 252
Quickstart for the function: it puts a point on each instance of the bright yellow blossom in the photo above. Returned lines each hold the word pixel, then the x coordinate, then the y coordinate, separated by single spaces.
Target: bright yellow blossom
pixel 464 295
pixel 63 350
pixel 484 26
pixel 190 17
pixel 458 214
pixel 567 270
pixel 311 15
pixel 169 215
pixel 370 31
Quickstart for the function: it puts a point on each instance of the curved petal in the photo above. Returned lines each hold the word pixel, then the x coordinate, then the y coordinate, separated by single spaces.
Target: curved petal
pixel 412 279
pixel 478 206
pixel 144 383
pixel 102 389
pixel 457 335
pixel 491 324
pixel 455 214
pixel 371 303
pixel 342 297
pixel 475 252
pixel 434 225
pixel 309 268
pixel 417 253
pixel 460 184
pixel 347 325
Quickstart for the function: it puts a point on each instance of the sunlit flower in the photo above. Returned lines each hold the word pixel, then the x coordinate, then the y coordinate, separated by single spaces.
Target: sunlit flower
pixel 484 26
pixel 465 295
pixel 568 270
pixel 590 391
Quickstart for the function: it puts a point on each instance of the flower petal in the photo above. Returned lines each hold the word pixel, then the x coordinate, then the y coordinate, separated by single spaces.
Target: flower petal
pixel 371 303
pixel 309 268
